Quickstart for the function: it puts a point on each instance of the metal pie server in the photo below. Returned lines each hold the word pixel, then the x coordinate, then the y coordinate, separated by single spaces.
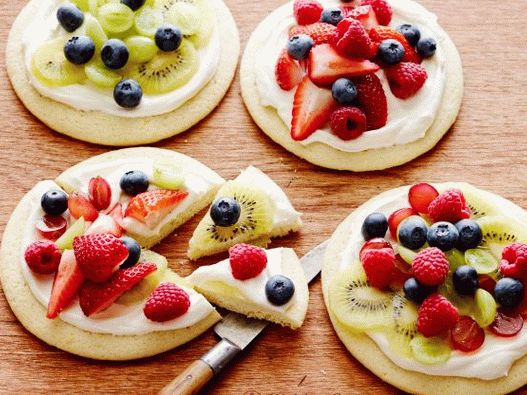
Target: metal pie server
pixel 236 332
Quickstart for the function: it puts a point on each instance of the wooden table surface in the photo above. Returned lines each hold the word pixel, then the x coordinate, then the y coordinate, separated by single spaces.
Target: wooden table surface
pixel 486 147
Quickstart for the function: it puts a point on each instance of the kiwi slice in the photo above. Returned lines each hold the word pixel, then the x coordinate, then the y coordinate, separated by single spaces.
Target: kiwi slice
pixel 358 305
pixel 481 260
pixel 82 4
pixel 50 66
pixel 430 350
pixel 167 71
pixel 404 326
pixel 100 75
pixel 478 207
pixel 498 232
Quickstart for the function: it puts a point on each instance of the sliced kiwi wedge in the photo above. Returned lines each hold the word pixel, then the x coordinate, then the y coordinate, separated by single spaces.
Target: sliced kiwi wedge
pixel 500 231
pixel 404 325
pixel 430 350
pixel 478 207
pixel 101 75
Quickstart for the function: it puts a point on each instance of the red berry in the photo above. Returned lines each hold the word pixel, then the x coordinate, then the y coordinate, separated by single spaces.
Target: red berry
pixel 382 9
pixel 381 33
pixel 364 14
pixel 80 206
pixel 436 315
pixel 100 193
pixel 43 257
pixel 450 206
pixel 247 261
pixel 397 217
pixel 351 39
pixel 167 302
pixel 151 207
pixel 348 122
pixel 430 266
pixel 487 283
pixel 406 79
pixel 505 325
pixel 307 11
pixel 420 196
pixel 402 272
pixel 51 227
pixel 321 33
pixel 514 261
pixel 374 244
pixel 105 224
pixel 372 100
pixel 467 335
pixel 288 72
pixel 379 266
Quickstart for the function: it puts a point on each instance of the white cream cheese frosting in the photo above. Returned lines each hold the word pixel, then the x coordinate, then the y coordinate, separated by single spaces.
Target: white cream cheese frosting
pixel 408 120
pixel 88 97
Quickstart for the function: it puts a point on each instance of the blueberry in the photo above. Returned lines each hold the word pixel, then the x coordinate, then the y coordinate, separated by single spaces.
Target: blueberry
pixel 415 291
pixel 298 47
pixel 54 202
pixel 332 16
pixel 442 235
pixel 465 279
pixel 114 54
pixel 134 252
pixel 134 182
pixel 412 233
pixel 279 290
pixel 79 50
pixel 426 47
pixel 390 51
pixel 133 4
pixel 344 91
pixel 70 17
pixel 469 234
pixel 508 292
pixel 168 38
pixel 128 93
pixel 225 212
pixel 410 32
pixel 375 225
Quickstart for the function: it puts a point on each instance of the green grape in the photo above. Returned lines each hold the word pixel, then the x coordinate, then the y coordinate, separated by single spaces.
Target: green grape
pixel 100 75
pixel 82 4
pixel 148 20
pixel 486 308
pixel 455 259
pixel 93 28
pixel 407 254
pixel 115 17
pixel 142 49
pixel 167 175
pixel 186 17
pixel 65 242
pixel 481 260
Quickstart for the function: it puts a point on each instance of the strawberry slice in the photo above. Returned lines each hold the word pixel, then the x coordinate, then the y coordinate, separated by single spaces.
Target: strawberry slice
pixel 321 33
pixel 117 214
pixel 364 14
pixel 312 108
pixel 94 298
pixel 150 207
pixel 80 206
pixel 326 65
pixel 68 280
pixel 105 224
pixel 381 33
pixel 288 71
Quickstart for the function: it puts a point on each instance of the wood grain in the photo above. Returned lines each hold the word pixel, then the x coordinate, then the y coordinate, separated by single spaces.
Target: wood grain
pixel 486 147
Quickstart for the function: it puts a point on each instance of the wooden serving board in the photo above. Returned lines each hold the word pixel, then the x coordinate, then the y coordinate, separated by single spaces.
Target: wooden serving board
pixel 487 147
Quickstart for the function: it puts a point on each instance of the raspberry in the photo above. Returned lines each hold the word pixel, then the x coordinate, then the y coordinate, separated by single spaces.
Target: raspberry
pixel 307 11
pixel 372 101
pixel 436 315
pixel 406 79
pixel 514 261
pixel 167 302
pixel 247 261
pixel 351 39
pixel 379 266
pixel 430 266
pixel 450 206
pixel 382 9
pixel 348 122
pixel 43 257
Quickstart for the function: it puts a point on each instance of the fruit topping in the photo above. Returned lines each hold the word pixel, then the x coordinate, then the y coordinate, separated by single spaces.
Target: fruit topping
pixel 374 244
pixel 167 302
pixel 469 234
pixel 152 206
pixel 54 202
pixel 65 242
pixel 99 255
pixel 450 206
pixel 506 325
pixel 415 291
pixel 420 196
pixel 332 16
pixel 374 225
pixel 133 4
pixel 344 91
pixel 79 50
pixel 80 206
pixel 95 297
pixel 321 33
pixel 390 51
pixel 509 292
pixel 134 182
pixel 381 33
pixel 70 17
pixel 307 11
pixel 115 17
pixel 481 260
pixel 467 335
pixel 442 235
pixel 372 100
pixel 100 193
pixel 51 227
pixel 186 17
pixel 398 216
pixel 100 75
pixel 514 261
pixel 426 47
pixel 168 38
pixel 410 32
pixel 115 54
pixel 298 47
pixel 430 350
pixel 382 10
pixel 246 261
pixel 147 21
pixel 279 290
pixel 379 266
pixel 498 232
pixel 412 232
pixel 288 72
pixel 348 123
pixel 134 252
pixel 225 211
pixel 487 283
pixel 167 175
pixel 430 266
pixel 465 279
pixel 485 309
pixel 105 224
pixel 406 78
pixel 142 49
pixel 436 315
pixel 128 93
pixel 351 39
pixel 43 257
pixel 406 254
pixel 364 14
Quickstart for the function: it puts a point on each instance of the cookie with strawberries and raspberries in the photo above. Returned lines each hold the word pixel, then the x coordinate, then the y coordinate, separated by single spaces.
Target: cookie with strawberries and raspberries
pixel 362 85
pixel 425 286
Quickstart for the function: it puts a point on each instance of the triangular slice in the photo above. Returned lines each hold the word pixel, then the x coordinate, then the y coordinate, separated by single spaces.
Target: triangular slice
pixel 264 212
pixel 253 296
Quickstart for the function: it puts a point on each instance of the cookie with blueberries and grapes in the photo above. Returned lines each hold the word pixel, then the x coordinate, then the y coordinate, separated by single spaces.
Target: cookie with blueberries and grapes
pixel 125 72
pixel 362 85
pixel 426 287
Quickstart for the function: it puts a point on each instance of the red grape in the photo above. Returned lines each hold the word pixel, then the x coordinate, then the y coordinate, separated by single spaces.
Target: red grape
pixel 80 206
pixel 421 195
pixel 467 335
pixel 51 227
pixel 402 271
pixel 487 283
pixel 100 193
pixel 397 217
pixel 506 325
pixel 374 244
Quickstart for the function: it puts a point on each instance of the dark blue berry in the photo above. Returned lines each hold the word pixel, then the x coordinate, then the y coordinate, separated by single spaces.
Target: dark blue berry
pixel 79 50
pixel 298 47
pixel 279 290
pixel 128 93
pixel 442 235
pixel 412 233
pixel 410 32
pixel 133 4
pixel 70 17
pixel 426 47
pixel 469 234
pixel 375 225
pixel 225 212
pixel 465 279
pixel 168 38
pixel 114 54
pixel 54 202
pixel 415 291
pixel 508 292
pixel 391 51
pixel 134 252
pixel 134 182
pixel 332 16
pixel 344 91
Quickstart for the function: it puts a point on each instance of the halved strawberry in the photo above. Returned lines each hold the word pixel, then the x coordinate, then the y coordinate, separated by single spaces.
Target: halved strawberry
pixel 100 193
pixel 288 71
pixel 117 214
pixel 80 206
pixel 152 206
pixel 68 280
pixel 320 32
pixel 364 14
pixel 312 107
pixel 326 65
pixel 105 224
pixel 381 33
pixel 94 298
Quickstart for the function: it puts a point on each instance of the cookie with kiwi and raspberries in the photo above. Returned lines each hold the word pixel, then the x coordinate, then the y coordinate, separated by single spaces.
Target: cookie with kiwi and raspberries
pixel 425 286
pixel 363 85
pixel 122 73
